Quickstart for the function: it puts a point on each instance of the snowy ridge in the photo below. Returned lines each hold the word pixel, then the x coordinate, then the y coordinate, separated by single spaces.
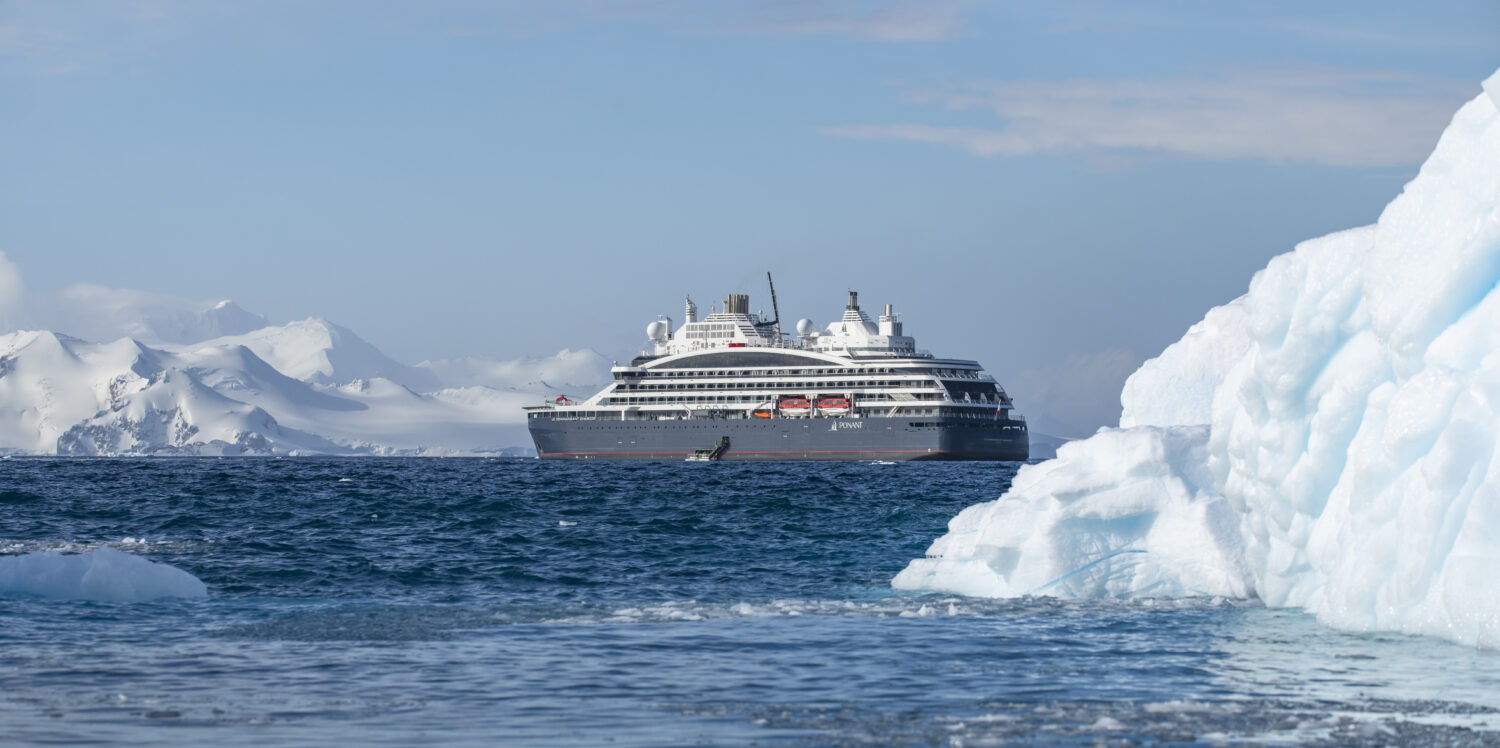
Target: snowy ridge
pixel 73 397
pixel 1327 441
pixel 309 387
pixel 320 352
pixel 99 313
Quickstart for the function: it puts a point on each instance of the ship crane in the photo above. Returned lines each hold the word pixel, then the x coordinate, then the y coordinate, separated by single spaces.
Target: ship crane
pixel 775 323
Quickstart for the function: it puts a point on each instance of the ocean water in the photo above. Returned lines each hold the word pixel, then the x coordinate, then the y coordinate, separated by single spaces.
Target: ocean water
pixel 521 602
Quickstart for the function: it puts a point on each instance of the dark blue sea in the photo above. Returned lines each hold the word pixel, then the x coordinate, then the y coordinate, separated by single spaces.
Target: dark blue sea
pixel 483 602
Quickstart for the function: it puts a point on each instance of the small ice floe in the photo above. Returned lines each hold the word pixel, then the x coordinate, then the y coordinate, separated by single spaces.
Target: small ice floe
pixel 1107 723
pixel 104 574
pixel 346 480
pixel 1178 707
pixel 566 523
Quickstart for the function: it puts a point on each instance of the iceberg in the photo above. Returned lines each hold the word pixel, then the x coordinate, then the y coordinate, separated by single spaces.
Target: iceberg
pixel 104 574
pixel 1327 441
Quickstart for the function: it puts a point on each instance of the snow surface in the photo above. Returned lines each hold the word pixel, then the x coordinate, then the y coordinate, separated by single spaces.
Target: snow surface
pixel 104 574
pixel 320 352
pixel 185 377
pixel 1327 441
pixel 61 395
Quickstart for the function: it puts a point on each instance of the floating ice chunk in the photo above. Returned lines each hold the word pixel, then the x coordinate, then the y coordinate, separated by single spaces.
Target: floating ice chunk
pixel 1127 512
pixel 104 574
pixel 1346 453
pixel 1107 723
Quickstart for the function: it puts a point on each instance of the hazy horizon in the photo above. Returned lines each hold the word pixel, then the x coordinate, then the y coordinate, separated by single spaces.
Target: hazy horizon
pixel 1057 192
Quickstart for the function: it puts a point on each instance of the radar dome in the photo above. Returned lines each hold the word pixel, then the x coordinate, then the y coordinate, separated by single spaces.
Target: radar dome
pixel 656 330
pixel 804 326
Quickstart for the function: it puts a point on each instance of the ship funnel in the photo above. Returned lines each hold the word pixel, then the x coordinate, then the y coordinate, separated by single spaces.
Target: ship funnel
pixel 737 303
pixel 890 324
pixel 853 301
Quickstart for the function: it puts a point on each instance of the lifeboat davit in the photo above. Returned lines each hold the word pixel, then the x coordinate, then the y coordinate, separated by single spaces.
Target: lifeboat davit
pixel 795 407
pixel 833 406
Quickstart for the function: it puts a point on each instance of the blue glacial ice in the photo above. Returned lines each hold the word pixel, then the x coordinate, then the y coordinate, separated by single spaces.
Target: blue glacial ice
pixel 104 574
pixel 1327 441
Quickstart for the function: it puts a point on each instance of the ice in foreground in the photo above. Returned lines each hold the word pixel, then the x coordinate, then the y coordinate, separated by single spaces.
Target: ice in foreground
pixel 105 574
pixel 1326 441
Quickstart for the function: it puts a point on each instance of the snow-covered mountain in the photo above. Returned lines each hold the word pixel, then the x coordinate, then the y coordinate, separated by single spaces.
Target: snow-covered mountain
pixel 62 395
pixel 319 352
pixel 208 377
pixel 92 312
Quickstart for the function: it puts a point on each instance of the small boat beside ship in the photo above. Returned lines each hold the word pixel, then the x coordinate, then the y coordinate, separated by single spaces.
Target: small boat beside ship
pixel 732 386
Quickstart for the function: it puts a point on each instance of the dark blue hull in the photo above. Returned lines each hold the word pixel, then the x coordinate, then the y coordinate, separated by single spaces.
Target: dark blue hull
pixel 896 439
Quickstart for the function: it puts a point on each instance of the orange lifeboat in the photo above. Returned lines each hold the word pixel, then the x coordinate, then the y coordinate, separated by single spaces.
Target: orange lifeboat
pixel 795 406
pixel 833 406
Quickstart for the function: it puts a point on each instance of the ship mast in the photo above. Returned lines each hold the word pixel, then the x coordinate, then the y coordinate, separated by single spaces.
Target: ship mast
pixel 775 312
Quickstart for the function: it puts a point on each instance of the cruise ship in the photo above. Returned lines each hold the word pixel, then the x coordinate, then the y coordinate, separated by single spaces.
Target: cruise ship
pixel 732 386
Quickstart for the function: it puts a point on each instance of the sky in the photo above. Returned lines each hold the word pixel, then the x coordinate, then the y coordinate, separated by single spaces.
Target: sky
pixel 1057 190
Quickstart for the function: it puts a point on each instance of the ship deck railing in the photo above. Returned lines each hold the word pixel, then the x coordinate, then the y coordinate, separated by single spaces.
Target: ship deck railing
pixel 796 346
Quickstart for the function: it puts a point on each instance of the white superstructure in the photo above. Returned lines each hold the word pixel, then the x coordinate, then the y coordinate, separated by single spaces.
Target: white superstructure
pixel 734 363
pixel 737 327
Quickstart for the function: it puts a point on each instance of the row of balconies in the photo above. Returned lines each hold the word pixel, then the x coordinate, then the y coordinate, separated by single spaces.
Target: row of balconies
pixel 878 399
pixel 919 384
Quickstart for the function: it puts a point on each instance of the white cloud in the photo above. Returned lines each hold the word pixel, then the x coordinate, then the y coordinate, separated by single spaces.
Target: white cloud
pixel 867 20
pixel 578 371
pixel 102 314
pixel 46 38
pixel 1307 115
pixel 1388 35
pixel 12 296
pixel 59 39
pixel 889 21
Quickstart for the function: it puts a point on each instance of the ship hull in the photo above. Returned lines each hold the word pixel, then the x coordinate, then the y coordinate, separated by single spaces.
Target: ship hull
pixel 824 439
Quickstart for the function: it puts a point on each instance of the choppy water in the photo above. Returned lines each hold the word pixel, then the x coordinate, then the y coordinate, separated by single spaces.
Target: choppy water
pixel 484 601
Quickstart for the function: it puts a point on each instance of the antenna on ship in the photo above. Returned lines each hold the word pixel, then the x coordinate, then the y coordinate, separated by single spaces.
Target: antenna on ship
pixel 775 312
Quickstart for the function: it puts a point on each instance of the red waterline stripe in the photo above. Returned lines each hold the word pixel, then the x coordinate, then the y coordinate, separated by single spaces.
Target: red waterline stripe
pixel 771 452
